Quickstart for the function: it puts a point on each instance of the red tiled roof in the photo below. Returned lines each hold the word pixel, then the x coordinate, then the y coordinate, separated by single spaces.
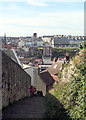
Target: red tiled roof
pixel 37 60
pixel 36 65
pixel 55 77
pixel 27 59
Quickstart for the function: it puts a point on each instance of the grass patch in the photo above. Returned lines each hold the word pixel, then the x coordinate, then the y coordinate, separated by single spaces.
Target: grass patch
pixel 40 48
pixel 66 48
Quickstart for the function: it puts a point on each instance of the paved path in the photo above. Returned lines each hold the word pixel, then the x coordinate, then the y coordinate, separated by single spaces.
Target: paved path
pixel 28 108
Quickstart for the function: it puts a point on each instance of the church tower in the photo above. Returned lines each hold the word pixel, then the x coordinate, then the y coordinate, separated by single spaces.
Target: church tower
pixel 4 39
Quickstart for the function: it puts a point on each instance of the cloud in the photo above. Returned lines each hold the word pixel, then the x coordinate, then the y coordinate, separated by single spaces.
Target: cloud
pixel 27 31
pixel 68 17
pixel 12 0
pixel 42 22
pixel 62 22
pixel 10 6
pixel 42 1
pixel 27 22
pixel 36 2
pixel 30 2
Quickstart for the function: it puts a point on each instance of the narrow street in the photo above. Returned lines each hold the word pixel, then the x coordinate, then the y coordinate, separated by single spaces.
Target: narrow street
pixel 28 108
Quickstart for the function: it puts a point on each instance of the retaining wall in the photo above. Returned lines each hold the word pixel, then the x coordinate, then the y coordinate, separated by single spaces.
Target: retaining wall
pixel 15 81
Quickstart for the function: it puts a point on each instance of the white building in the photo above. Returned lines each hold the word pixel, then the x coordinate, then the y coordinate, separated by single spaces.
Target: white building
pixel 29 70
pixel 36 42
pixel 26 49
pixel 28 43
pixel 40 43
pixel 21 43
pixel 47 39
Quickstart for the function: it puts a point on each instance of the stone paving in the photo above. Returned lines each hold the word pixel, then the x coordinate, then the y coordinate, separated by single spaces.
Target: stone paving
pixel 27 108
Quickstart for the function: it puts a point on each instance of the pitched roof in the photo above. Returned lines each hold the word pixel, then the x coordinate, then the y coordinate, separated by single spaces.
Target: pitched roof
pixel 13 55
pixel 47 78
pixel 55 77
pixel 61 41
pixel 10 53
pixel 26 59
pixel 55 67
pixel 37 59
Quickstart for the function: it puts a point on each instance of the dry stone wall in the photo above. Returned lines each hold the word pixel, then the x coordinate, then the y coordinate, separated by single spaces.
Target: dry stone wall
pixel 15 81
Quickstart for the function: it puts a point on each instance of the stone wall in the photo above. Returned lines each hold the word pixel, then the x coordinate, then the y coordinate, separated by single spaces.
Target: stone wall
pixel 29 71
pixel 15 81
pixel 66 73
pixel 0 85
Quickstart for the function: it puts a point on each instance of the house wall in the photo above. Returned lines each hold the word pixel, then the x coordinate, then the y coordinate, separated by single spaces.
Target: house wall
pixel 38 82
pixel 39 43
pixel 30 72
pixel 21 43
pixel 15 81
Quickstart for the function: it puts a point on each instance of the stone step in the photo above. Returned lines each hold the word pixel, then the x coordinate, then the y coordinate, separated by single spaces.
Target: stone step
pixel 28 108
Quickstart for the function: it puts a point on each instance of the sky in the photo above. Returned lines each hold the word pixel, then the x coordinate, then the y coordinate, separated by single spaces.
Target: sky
pixel 44 17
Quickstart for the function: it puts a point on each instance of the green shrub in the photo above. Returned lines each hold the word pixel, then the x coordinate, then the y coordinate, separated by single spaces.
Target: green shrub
pixel 70 95
pixel 74 97
pixel 60 75
pixel 55 108
pixel 60 52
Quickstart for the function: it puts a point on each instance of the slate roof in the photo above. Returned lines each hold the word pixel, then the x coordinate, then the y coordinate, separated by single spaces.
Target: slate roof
pixel 50 75
pixel 10 53
pixel 61 41
pixel 47 78
pixel 66 41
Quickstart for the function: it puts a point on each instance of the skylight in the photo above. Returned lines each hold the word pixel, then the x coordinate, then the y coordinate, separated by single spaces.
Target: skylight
pixel 55 66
